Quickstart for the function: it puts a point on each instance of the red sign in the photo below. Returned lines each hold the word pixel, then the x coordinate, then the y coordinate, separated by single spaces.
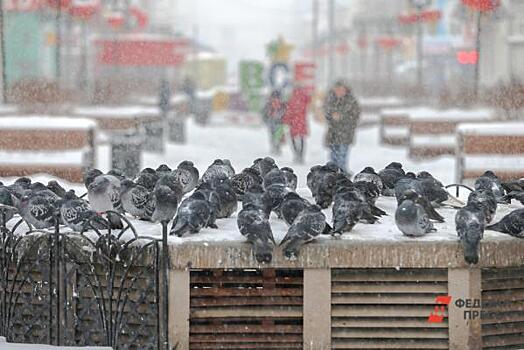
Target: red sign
pixel 482 5
pixel 141 52
pixel 85 9
pixel 467 57
pixel 305 73
pixel 388 43
pixel 429 16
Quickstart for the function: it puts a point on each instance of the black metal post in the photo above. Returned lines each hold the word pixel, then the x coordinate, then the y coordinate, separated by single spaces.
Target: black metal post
pixel 165 280
pixel 2 49
pixel 57 256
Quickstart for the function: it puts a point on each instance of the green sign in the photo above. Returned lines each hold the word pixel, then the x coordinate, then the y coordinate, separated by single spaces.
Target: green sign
pixel 251 83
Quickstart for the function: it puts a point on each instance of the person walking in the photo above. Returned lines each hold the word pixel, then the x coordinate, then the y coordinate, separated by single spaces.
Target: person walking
pixel 295 117
pixel 272 114
pixel 342 113
pixel 164 101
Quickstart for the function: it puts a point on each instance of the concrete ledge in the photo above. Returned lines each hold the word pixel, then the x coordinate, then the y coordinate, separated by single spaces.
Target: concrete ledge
pixel 500 252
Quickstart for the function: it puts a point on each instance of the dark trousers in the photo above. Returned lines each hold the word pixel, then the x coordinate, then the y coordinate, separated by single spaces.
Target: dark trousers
pixel 339 155
pixel 298 148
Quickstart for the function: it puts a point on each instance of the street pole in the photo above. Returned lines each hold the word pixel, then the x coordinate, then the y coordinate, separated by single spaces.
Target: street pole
pixel 331 42
pixel 2 48
pixel 314 38
pixel 477 48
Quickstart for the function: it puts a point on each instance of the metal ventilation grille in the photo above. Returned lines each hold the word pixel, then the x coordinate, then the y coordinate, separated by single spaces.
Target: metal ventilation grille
pixel 246 309
pixel 387 309
pixel 503 308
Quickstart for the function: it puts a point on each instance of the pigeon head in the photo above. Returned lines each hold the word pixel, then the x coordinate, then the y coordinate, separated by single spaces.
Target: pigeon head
pixel 70 195
pixel 287 169
pixel 116 173
pixel 368 170
pixel 186 164
pixel 148 171
pixel 409 195
pixel 218 162
pixel 394 165
pixel 56 188
pixel 165 195
pixel 424 175
pixel 126 184
pixel 490 174
pixel 163 168
pixel 37 187
pixel 99 185
pixel 24 182
pixel 90 176
pixel 198 196
pixel 330 166
pixel 410 175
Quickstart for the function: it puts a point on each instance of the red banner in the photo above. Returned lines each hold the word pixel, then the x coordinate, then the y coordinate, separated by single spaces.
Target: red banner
pixel 482 5
pixel 23 5
pixel 141 52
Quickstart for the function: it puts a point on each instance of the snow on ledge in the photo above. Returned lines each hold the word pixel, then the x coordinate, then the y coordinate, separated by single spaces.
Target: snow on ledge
pixel 4 345
pixel 380 101
pixel 494 162
pixel 492 129
pixel 64 158
pixel 45 123
pixel 451 114
pixel 388 112
pixel 116 111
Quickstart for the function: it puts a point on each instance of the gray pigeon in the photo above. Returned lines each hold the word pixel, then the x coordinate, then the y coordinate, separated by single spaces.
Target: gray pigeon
pixel 192 216
pixel 166 202
pixel 187 176
pixel 423 202
pixel 470 223
pixel 264 165
pixel 512 224
pixel 348 210
pixel 411 218
pixel 247 178
pixel 76 213
pixel 368 174
pixel 310 223
pixel 253 224
pixel 104 195
pixel 7 205
pixel 219 168
pixel 487 199
pixel 38 209
pixel 490 181
pixel 291 178
pixel 135 199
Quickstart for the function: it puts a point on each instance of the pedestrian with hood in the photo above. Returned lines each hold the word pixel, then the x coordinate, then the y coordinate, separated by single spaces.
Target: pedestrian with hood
pixel 342 113
pixel 295 117
pixel 273 113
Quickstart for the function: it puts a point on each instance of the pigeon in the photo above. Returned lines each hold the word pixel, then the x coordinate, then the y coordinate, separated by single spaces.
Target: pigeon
pixel 147 178
pixel 165 204
pixel 490 181
pixel 255 196
pixel 423 202
pixel 17 189
pixel 213 200
pixel 163 169
pixel 119 174
pixel 135 199
pixel 253 224
pixel 389 176
pixel 370 193
pixel 264 165
pixel 411 218
pixel 512 224
pixel 434 190
pixel 187 176
pixel 76 213
pixel 55 187
pixel 292 205
pixel 310 223
pixel 38 209
pixel 247 178
pixel 487 199
pixel 275 176
pixel 369 175
pixel 321 182
pixel 171 181
pixel 347 209
pixel 274 195
pixel 218 168
pixel 513 186
pixel 104 195
pixel 519 196
pixel 91 175
pixel 408 182
pixel 291 178
pixel 228 199
pixel 193 215
pixel 470 223
pixel 7 205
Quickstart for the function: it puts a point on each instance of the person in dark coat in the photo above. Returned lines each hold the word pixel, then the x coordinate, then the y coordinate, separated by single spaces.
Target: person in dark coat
pixel 342 113
pixel 295 117
pixel 164 102
pixel 273 113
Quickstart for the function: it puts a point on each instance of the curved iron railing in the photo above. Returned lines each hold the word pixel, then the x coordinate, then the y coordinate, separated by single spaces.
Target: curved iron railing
pixel 458 187
pixel 98 287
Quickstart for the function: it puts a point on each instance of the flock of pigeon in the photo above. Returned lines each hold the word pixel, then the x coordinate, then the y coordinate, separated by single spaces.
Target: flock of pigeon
pixel 194 202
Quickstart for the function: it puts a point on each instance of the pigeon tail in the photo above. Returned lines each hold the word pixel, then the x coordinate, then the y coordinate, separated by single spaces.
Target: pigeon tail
pixel 497 227
pixel 114 220
pixel 179 228
pixel 471 254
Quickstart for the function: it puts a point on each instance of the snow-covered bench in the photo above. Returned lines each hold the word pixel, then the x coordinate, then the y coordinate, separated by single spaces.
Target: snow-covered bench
pixel 495 146
pixel 59 146
pixel 394 125
pixel 432 132
pixel 371 107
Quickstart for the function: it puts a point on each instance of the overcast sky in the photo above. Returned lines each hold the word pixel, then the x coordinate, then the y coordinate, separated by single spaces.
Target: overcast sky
pixel 241 28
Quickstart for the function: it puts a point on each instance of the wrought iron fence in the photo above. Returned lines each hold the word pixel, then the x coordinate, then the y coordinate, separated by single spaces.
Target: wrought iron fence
pixel 97 287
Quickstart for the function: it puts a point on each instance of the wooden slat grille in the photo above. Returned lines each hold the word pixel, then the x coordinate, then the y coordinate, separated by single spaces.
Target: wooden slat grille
pixel 246 309
pixel 503 308
pixel 387 309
